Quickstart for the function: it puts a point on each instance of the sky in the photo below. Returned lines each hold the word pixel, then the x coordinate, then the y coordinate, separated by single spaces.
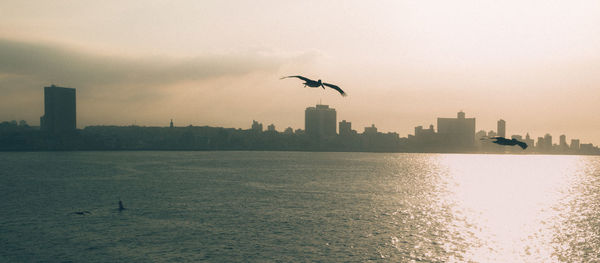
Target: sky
pixel 535 64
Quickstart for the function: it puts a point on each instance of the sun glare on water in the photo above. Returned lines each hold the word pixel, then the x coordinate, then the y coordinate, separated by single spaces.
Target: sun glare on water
pixel 512 205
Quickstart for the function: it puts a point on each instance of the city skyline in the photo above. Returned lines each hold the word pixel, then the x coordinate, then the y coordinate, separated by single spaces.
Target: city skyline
pixel 59 107
pixel 401 62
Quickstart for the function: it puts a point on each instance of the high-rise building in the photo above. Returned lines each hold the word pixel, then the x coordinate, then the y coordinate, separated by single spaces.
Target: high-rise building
pixel 502 128
pixel 59 110
pixel 345 128
pixel 548 141
pixel 575 144
pixel 271 128
pixel 320 121
pixel 457 132
pixel 563 142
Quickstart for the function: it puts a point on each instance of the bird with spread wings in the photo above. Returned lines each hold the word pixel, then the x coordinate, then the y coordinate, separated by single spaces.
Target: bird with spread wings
pixel 507 142
pixel 315 84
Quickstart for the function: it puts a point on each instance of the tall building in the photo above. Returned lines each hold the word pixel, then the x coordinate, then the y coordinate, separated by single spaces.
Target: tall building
pixel 457 133
pixel 540 143
pixel 548 141
pixel 59 110
pixel 575 144
pixel 345 128
pixel 501 128
pixel 320 121
pixel 528 140
pixel 257 126
pixel 271 128
pixel 563 142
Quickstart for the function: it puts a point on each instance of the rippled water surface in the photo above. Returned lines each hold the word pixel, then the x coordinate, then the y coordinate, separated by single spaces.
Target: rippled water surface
pixel 295 206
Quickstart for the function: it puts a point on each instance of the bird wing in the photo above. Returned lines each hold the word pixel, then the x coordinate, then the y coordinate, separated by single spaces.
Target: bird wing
pixel 500 139
pixel 522 145
pixel 300 77
pixel 335 88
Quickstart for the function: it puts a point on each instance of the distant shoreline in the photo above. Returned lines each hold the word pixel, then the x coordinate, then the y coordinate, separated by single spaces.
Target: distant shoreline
pixel 307 151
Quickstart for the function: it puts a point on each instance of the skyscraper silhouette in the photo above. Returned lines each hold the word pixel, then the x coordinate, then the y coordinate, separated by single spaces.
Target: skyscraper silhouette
pixel 59 110
pixel 320 121
pixel 345 128
pixel 457 133
pixel 501 128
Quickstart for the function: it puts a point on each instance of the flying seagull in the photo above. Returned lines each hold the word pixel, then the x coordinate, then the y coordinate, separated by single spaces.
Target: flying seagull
pixel 315 84
pixel 511 142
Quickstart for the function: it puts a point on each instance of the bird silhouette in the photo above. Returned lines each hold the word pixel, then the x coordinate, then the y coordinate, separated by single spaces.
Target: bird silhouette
pixel 511 142
pixel 315 84
pixel 81 212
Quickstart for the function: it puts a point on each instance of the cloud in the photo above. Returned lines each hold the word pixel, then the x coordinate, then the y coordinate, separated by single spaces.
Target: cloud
pixel 110 86
pixel 60 64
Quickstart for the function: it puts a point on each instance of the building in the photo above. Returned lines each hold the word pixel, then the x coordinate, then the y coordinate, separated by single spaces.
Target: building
pixel 457 133
pixel 548 141
pixel 501 128
pixel 370 130
pixel 256 126
pixel 59 110
pixel 288 130
pixel 575 144
pixel 540 143
pixel 480 134
pixel 587 148
pixel 345 128
pixel 528 140
pixel 320 121
pixel 420 132
pixel 271 128
pixel 563 146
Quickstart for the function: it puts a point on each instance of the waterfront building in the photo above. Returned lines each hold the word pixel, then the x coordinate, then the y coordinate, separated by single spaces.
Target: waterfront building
pixel 370 130
pixel 59 110
pixel 257 126
pixel 320 121
pixel 501 128
pixel 575 144
pixel 345 128
pixel 457 133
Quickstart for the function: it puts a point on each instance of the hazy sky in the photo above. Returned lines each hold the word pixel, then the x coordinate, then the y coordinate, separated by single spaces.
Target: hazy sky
pixel 535 64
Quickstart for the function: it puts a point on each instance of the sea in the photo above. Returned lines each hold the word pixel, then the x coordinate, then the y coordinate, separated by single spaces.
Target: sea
pixel 229 206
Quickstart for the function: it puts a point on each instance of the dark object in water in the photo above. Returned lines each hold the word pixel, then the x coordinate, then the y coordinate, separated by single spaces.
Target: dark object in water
pixel 511 142
pixel 82 212
pixel 121 208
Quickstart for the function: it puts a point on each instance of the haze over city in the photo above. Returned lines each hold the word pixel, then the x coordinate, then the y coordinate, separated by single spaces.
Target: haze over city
pixel 402 63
